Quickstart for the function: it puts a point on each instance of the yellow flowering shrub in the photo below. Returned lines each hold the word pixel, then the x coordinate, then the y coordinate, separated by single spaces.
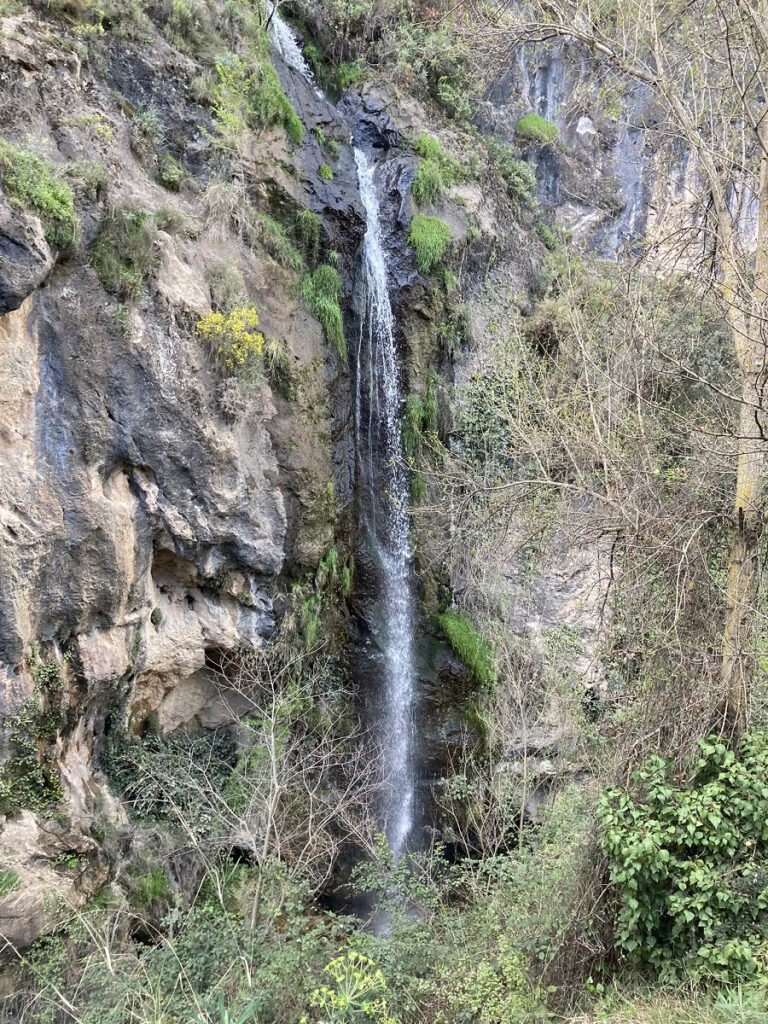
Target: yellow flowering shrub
pixel 234 337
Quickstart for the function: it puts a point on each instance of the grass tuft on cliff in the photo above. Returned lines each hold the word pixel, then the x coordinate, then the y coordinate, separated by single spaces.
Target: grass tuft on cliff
pixel 32 184
pixel 429 237
pixel 124 252
pixel 535 128
pixel 467 644
pixel 321 290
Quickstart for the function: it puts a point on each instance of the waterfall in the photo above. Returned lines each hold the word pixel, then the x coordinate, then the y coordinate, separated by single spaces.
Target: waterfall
pixel 384 499
pixel 287 46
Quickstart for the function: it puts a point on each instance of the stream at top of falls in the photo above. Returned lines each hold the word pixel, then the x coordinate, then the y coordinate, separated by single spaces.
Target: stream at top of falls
pixel 383 497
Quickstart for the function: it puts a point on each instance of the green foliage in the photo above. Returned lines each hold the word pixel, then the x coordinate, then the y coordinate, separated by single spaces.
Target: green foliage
pixel 358 993
pixel 92 176
pixel 321 290
pixel 519 177
pixel 123 255
pixel 467 644
pixel 248 96
pixel 308 225
pixel 149 125
pixel 29 779
pixel 9 882
pixel 174 222
pixel 535 128
pixel 436 62
pixel 436 171
pixel 274 238
pixel 32 183
pixel 429 237
pixel 688 862
pixel 150 889
pixel 170 173
pixel 547 235
pixel 325 172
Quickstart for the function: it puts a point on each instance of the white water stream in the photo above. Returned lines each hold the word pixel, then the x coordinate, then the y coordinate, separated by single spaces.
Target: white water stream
pixel 384 493
pixel 384 499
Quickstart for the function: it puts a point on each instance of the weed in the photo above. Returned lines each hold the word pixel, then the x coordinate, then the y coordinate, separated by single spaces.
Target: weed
pixel 9 882
pixel 518 176
pixel 467 644
pixel 308 224
pixel 170 173
pixel 276 242
pixel 547 236
pixel 325 172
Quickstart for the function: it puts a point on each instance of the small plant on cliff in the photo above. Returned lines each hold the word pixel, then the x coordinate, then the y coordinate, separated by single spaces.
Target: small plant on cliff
pixel 436 171
pixel 308 224
pixel 325 172
pixel 32 183
pixel 518 176
pixel 233 337
pixel 124 253
pixel 535 128
pixel 321 290
pixel 467 644
pixel 249 95
pixel 429 237
pixel 29 779
pixel 274 238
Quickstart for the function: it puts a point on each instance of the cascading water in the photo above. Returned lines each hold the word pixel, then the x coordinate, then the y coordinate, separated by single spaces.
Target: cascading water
pixel 287 45
pixel 383 492
pixel 384 499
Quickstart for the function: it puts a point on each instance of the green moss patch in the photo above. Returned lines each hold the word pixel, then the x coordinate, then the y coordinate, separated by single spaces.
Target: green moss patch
pixel 535 128
pixel 466 643
pixel 429 237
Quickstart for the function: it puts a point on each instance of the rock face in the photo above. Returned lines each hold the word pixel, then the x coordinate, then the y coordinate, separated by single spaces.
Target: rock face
pixel 147 522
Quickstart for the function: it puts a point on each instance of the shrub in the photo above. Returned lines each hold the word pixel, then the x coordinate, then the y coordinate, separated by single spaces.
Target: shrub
pixel 226 284
pixel 124 252
pixel 467 644
pixel 233 337
pixel 688 861
pixel 321 290
pixel 429 237
pixel 174 222
pixel 535 128
pixel 325 172
pixel 32 183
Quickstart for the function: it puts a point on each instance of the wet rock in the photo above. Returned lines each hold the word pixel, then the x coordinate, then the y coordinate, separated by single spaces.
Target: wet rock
pixel 25 257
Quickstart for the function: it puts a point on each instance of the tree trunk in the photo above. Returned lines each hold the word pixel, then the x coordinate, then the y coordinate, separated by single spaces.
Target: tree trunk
pixel 749 337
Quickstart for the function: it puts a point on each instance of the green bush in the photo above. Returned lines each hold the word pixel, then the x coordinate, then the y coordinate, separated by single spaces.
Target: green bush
pixel 325 172
pixel 321 290
pixel 688 861
pixel 32 183
pixel 124 253
pixel 467 644
pixel 535 128
pixel 429 237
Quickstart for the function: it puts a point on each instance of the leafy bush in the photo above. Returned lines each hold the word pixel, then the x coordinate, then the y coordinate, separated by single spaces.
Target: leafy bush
pixel 467 644
pixel 429 237
pixel 124 255
pixel 32 183
pixel 321 290
pixel 29 778
pixel 234 338
pixel 535 128
pixel 688 861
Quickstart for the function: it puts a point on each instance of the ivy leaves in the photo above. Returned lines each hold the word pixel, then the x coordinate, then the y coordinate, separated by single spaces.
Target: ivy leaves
pixel 688 861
